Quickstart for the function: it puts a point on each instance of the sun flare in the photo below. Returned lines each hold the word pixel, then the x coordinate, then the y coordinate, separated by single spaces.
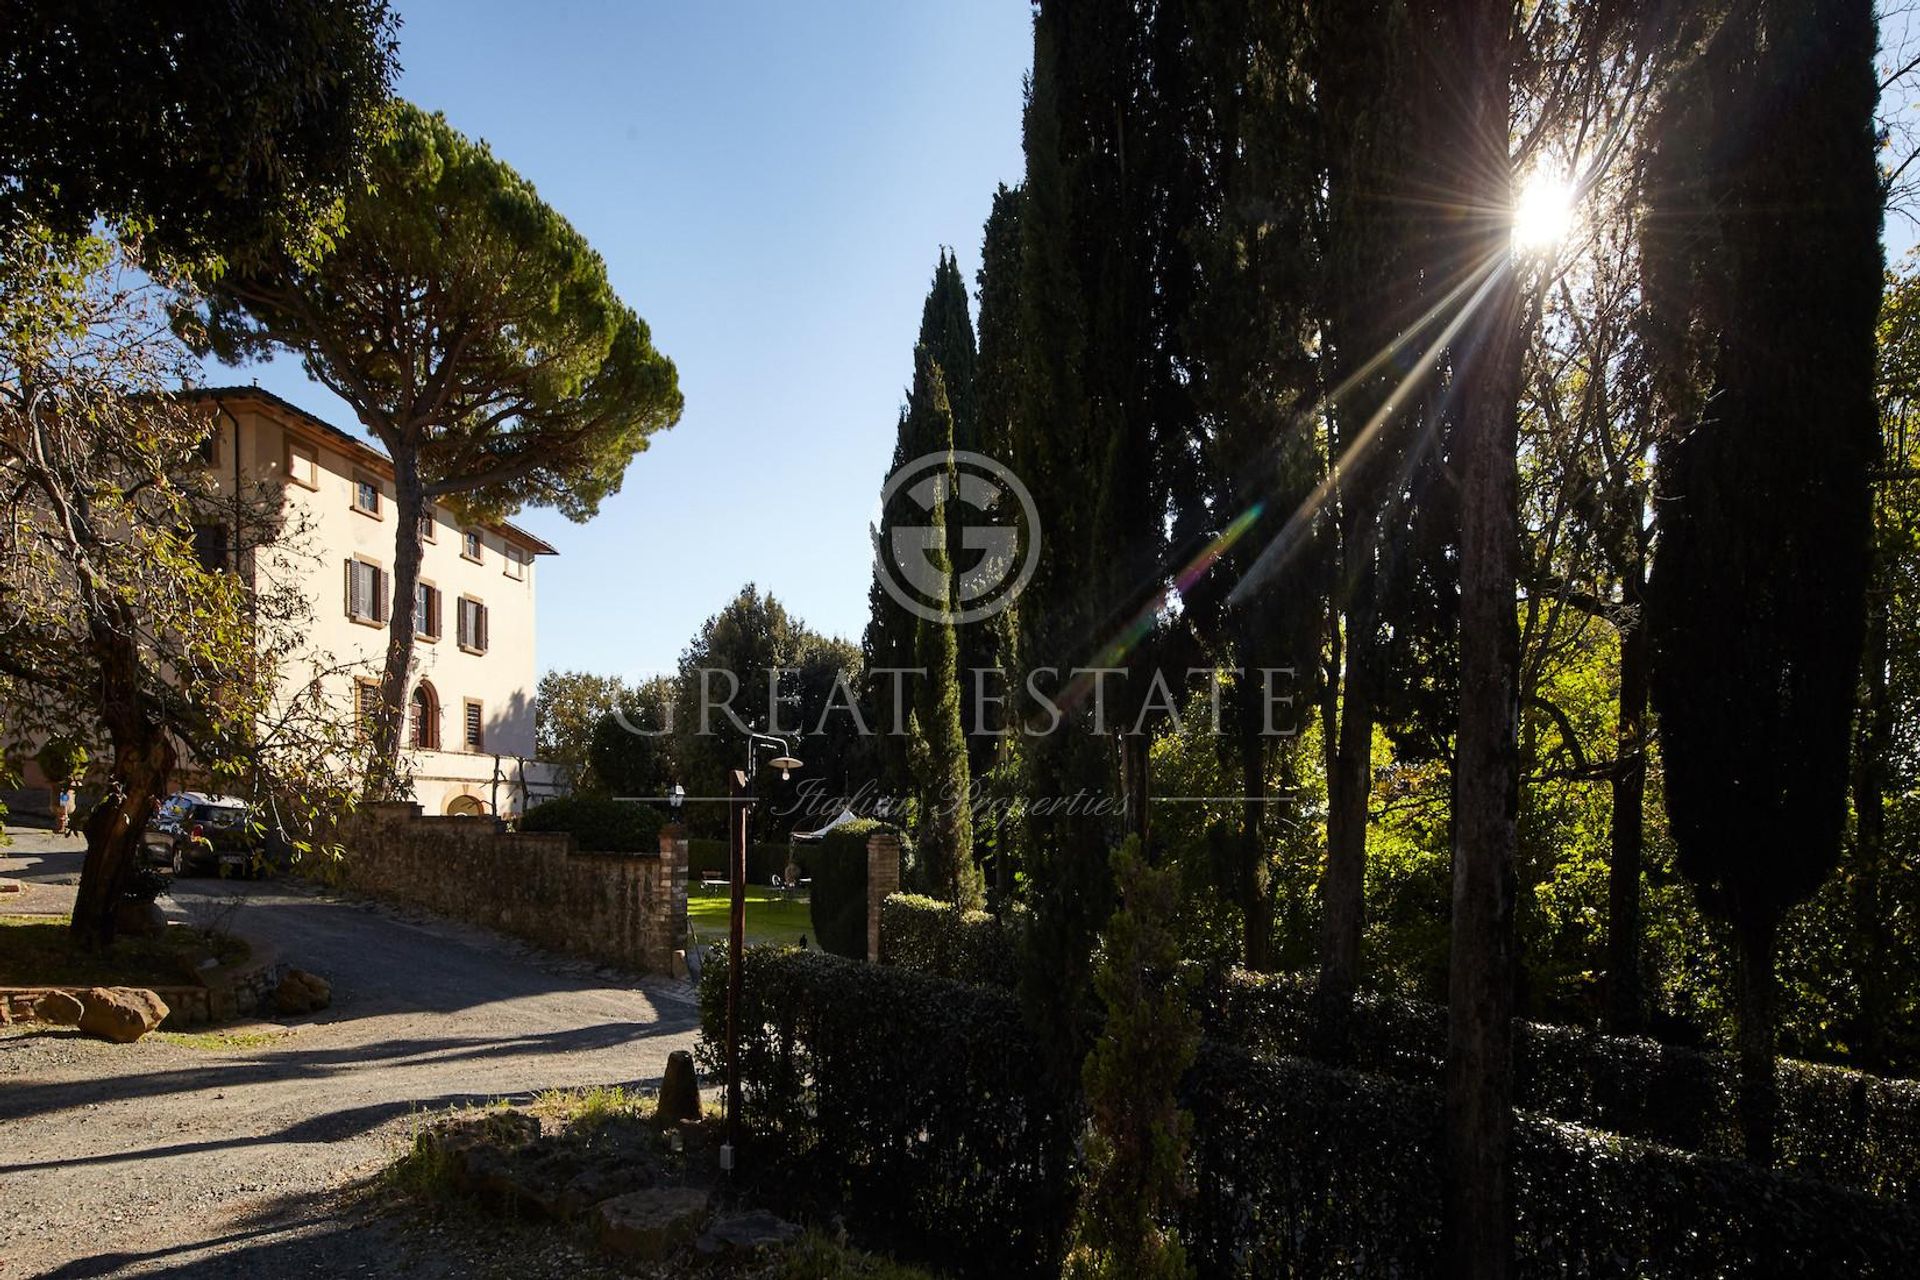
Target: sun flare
pixel 1543 215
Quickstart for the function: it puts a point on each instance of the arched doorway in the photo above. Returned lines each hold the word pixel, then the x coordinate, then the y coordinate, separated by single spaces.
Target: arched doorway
pixel 423 718
pixel 466 807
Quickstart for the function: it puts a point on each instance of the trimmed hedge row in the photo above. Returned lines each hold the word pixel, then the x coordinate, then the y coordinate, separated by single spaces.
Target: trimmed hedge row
pixel 598 825
pixel 1305 1169
pixel 918 1107
pixel 912 1104
pixel 937 938
pixel 838 899
pixel 1840 1126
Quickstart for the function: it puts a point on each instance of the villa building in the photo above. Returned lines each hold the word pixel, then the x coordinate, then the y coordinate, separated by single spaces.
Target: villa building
pixel 470 734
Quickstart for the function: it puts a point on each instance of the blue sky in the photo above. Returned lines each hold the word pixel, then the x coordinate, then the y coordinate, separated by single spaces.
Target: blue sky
pixel 770 185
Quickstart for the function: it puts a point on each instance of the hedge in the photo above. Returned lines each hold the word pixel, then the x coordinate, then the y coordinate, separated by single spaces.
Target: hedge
pixel 1306 1169
pixel 598 825
pixel 839 893
pixel 913 1105
pixel 918 1107
pixel 1841 1126
pixel 937 938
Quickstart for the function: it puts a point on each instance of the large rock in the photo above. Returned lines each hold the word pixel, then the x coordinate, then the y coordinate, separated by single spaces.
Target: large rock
pixel 59 1008
pixel 120 1014
pixel 650 1224
pixel 747 1233
pixel 679 1090
pixel 302 992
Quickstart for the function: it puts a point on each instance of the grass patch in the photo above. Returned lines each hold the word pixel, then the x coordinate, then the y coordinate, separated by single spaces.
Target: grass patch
pixel 779 918
pixel 36 951
pixel 220 1041
pixel 816 1257
pixel 594 1106
pixel 425 1173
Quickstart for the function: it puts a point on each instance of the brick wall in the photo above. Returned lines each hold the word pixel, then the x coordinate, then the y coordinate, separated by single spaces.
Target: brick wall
pixel 615 908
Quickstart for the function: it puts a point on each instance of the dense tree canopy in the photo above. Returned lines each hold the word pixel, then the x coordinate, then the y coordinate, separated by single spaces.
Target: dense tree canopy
pixel 210 132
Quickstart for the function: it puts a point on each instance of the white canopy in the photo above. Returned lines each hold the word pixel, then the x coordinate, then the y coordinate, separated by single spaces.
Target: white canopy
pixel 846 816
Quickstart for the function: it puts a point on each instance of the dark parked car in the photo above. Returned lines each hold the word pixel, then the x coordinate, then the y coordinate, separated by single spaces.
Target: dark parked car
pixel 198 834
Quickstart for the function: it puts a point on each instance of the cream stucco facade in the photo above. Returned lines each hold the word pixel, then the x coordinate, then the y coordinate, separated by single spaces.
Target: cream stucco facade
pixel 474 677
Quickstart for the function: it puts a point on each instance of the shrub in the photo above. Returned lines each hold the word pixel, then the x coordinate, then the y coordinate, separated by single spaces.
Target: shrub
pixel 839 894
pixel 598 825
pixel 914 1105
pixel 61 759
pixel 1844 1126
pixel 937 938
pixel 1305 1169
pixel 919 1107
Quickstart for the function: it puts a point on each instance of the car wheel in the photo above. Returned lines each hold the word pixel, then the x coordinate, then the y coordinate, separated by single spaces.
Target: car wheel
pixel 179 862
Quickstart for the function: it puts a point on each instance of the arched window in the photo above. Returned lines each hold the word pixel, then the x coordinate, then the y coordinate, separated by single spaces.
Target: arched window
pixel 423 718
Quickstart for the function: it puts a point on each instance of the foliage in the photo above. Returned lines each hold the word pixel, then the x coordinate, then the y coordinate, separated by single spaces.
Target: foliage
pixel 919 1108
pixel 1764 526
pixel 945 941
pixel 913 1105
pixel 1136 1149
pixel 744 656
pixel 839 891
pixel 943 354
pixel 944 790
pixel 113 631
pixel 1839 1126
pixel 567 709
pixel 62 759
pixel 515 377
pixel 1303 1169
pixel 629 750
pixel 599 825
pixel 128 113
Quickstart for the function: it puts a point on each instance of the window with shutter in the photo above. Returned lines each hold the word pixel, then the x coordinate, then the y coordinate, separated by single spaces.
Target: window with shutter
pixel 426 611
pixel 475 736
pixel 366 592
pixel 473 625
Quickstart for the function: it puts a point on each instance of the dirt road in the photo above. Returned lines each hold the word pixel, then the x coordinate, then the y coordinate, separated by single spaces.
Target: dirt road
pixel 165 1159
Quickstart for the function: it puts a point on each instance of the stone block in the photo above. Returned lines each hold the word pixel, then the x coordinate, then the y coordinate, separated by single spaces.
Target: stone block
pixel 648 1225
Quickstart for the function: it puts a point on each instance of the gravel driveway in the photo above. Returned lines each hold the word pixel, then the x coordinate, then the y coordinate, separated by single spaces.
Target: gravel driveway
pixel 161 1159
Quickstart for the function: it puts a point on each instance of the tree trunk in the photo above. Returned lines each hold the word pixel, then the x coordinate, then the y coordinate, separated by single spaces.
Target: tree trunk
pixel 1759 1096
pixel 1486 774
pixel 1486 783
pixel 1349 789
pixel 1625 1004
pixel 384 780
pixel 143 760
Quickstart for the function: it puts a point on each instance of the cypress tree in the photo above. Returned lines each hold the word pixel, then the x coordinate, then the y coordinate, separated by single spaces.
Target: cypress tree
pixel 946 335
pixel 1763 279
pixel 944 812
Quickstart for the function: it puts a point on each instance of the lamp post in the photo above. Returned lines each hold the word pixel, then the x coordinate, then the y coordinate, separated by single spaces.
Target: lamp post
pixel 740 796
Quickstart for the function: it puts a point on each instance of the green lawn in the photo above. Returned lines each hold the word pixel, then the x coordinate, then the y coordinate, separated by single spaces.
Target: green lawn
pixel 35 951
pixel 771 917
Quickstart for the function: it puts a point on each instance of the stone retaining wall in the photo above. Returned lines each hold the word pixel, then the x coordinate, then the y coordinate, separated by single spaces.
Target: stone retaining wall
pixel 242 990
pixel 615 908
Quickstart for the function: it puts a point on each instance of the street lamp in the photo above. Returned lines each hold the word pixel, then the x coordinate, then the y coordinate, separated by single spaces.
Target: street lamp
pixel 740 794
pixel 676 796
